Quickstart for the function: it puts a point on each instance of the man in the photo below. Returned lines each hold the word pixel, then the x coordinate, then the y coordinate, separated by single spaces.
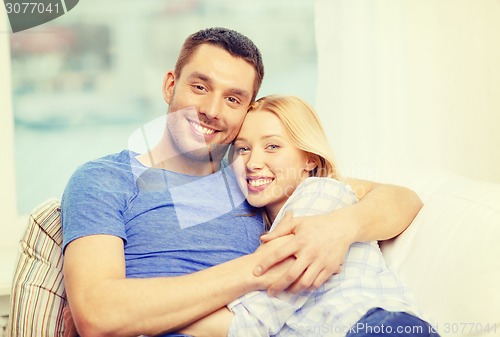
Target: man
pixel 135 260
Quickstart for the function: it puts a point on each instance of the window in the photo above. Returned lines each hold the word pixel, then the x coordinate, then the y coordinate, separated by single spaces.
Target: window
pixel 84 82
pixel 7 185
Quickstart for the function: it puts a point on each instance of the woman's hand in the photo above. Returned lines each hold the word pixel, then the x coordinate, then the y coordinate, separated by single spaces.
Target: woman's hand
pixel 69 323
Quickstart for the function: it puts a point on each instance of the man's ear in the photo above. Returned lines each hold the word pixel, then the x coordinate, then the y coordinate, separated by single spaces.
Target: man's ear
pixel 311 164
pixel 168 86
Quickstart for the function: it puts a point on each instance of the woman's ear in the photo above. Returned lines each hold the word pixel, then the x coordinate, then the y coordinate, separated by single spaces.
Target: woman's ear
pixel 311 164
pixel 168 86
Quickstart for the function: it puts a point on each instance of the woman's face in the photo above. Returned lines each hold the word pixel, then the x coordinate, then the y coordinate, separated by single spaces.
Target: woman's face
pixel 268 165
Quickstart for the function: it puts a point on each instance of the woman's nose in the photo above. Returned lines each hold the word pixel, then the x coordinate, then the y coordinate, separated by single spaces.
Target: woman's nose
pixel 255 161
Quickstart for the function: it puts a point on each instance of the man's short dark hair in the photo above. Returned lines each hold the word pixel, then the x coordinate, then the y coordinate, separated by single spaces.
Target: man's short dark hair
pixel 231 41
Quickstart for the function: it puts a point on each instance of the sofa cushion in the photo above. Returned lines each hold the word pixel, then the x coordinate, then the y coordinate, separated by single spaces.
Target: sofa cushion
pixel 38 297
pixel 449 256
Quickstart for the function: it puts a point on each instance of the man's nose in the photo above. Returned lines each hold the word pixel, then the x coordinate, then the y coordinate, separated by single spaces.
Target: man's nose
pixel 211 107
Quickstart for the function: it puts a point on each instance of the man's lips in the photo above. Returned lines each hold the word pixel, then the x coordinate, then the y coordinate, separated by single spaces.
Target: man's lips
pixel 204 131
pixel 257 184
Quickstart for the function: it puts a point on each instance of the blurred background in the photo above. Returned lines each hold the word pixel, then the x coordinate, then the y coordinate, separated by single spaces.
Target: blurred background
pixel 411 85
pixel 408 83
pixel 83 82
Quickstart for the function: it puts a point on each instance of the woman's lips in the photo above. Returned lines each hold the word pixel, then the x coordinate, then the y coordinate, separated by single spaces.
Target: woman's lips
pixel 258 184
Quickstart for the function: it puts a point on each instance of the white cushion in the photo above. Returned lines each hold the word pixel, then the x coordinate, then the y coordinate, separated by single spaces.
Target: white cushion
pixel 450 255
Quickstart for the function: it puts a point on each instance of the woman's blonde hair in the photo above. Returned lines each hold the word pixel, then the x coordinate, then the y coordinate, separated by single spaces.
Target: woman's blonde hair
pixel 304 128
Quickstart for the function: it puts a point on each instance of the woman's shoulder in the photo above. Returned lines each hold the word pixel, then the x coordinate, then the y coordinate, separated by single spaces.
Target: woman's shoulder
pixel 315 190
pixel 324 185
pixel 317 195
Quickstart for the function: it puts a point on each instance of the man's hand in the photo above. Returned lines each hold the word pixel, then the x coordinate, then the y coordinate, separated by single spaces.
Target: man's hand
pixel 320 244
pixel 277 260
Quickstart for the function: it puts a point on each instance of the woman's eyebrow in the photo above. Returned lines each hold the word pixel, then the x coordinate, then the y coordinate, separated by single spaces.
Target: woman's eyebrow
pixel 243 139
pixel 272 136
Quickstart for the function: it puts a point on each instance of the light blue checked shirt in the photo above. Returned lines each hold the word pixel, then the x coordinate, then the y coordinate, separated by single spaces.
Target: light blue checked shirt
pixel 364 283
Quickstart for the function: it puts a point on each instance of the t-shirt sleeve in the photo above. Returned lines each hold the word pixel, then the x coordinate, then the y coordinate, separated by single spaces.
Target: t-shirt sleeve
pixel 94 202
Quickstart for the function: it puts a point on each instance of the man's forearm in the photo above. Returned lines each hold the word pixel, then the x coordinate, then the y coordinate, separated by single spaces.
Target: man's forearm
pixel 384 211
pixel 130 307
pixel 105 303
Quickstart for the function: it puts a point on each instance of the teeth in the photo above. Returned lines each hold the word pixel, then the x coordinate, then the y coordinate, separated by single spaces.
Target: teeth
pixel 259 182
pixel 201 129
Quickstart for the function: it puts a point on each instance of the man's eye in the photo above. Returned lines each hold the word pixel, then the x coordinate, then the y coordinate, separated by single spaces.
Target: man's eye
pixel 200 88
pixel 233 100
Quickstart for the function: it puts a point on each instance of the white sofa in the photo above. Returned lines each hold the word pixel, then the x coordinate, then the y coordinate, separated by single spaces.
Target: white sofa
pixel 449 257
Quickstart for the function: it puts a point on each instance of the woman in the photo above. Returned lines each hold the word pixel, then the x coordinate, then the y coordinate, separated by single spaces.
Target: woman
pixel 284 163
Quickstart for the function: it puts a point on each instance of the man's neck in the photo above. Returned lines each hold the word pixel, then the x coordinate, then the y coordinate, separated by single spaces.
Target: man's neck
pixel 162 156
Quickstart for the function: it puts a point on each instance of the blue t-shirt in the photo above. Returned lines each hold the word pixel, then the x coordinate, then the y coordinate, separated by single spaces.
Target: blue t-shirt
pixel 171 224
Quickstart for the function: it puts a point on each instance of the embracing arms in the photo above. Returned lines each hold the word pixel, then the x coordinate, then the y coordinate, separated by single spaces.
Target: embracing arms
pixel 321 242
pixel 105 303
pixel 384 210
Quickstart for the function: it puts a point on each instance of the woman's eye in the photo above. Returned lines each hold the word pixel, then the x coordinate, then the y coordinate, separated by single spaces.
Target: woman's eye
pixel 273 147
pixel 242 150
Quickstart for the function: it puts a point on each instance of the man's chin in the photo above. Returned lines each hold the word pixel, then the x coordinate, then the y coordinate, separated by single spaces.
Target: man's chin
pixel 208 153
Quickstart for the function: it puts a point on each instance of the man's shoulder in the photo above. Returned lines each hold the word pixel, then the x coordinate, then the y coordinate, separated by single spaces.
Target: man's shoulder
pixel 115 161
pixel 107 168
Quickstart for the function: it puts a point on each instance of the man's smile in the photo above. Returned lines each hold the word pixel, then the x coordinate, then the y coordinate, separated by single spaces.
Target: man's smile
pixel 202 129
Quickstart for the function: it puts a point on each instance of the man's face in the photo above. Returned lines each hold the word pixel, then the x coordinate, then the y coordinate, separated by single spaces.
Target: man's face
pixel 208 102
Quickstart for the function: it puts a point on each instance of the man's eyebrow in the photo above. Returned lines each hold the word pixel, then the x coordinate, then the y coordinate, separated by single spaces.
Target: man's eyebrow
pixel 239 92
pixel 200 76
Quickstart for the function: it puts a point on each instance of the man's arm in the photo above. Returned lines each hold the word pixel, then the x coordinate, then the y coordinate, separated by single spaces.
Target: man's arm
pixel 384 211
pixel 321 242
pixel 105 303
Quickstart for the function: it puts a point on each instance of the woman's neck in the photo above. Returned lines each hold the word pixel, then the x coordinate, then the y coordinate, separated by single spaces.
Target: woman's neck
pixel 272 211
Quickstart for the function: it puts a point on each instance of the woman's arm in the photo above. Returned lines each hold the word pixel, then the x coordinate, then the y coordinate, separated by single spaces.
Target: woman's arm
pixel 213 325
pixel 321 242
